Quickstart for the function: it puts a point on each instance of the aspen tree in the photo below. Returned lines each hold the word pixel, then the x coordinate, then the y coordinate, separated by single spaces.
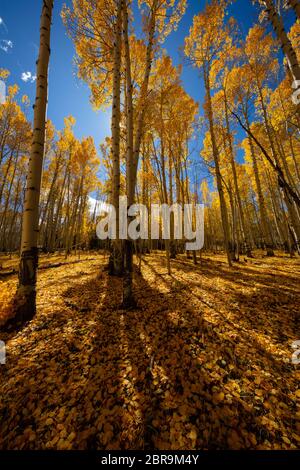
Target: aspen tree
pixel 156 23
pixel 208 38
pixel 116 263
pixel 26 292
pixel 128 299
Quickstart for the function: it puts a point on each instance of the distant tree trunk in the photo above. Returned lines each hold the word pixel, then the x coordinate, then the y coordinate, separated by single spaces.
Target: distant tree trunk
pixel 15 212
pixel 172 227
pixel 164 182
pixel 235 182
pixel 283 160
pixel 223 207
pixel 276 167
pixel 13 159
pixel 68 216
pixel 285 114
pixel 275 207
pixel 73 219
pixel 49 202
pixel 26 292
pixel 292 211
pixel 5 210
pixel 188 198
pixel 52 241
pixel 262 209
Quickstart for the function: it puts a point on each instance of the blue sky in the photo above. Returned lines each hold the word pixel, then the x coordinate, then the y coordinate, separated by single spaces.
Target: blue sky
pixel 67 95
pixel 19 38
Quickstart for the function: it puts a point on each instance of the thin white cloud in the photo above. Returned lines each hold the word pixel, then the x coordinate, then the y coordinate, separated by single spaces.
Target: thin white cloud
pixel 3 24
pixel 28 77
pixel 6 45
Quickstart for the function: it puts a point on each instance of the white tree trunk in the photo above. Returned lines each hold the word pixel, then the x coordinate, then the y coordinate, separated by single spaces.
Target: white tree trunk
pixel 144 88
pixel 282 36
pixel 116 261
pixel 25 300
pixel 223 208
pixel 128 298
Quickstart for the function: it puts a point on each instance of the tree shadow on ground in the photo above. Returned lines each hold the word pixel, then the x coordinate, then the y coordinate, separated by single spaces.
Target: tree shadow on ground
pixel 258 301
pixel 190 335
pixel 167 375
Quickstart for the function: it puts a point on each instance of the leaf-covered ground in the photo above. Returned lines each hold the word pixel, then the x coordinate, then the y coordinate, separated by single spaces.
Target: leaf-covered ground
pixel 203 363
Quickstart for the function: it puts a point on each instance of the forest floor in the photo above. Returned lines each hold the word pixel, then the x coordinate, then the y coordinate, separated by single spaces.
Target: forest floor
pixel 204 362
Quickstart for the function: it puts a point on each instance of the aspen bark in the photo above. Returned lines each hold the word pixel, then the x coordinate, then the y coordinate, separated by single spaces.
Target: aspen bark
pixel 116 261
pixel 26 292
pixel 282 36
pixel 144 88
pixel 15 212
pixel 276 167
pixel 223 207
pixel 274 204
pixel 48 202
pixel 134 150
pixel 289 202
pixel 164 180
pixel 235 182
pixel 128 298
pixel 52 241
pixel 286 118
pixel 172 242
pixel 194 254
pixel 262 209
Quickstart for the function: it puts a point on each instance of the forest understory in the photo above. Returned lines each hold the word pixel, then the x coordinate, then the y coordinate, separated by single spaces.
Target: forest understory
pixel 189 368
